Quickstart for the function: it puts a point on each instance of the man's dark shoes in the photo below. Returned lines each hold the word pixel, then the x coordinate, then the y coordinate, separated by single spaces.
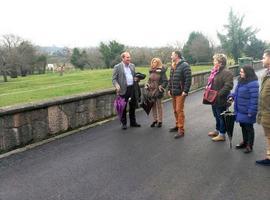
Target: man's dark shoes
pixel 265 162
pixel 159 124
pixel 179 135
pixel 153 124
pixel 242 145
pixel 135 125
pixel 174 129
pixel 124 127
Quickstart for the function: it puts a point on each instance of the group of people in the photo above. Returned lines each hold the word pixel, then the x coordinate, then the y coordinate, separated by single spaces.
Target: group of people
pixel 125 80
pixel 250 103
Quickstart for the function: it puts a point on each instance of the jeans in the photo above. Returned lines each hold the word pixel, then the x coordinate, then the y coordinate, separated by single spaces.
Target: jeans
pixel 220 126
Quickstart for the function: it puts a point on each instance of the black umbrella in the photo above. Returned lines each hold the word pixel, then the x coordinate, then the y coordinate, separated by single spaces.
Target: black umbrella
pixel 229 119
pixel 147 105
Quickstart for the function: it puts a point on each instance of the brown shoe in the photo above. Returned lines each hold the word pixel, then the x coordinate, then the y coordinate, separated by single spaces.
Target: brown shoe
pixel 219 138
pixel 213 134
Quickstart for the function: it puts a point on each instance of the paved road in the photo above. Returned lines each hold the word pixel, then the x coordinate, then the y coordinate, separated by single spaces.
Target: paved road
pixel 106 163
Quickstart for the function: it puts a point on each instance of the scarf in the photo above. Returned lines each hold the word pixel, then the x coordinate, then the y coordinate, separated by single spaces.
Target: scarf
pixel 210 80
pixel 267 72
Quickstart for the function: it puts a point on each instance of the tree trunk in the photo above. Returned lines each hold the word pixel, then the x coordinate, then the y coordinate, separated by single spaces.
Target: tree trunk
pixel 5 76
pixel 44 67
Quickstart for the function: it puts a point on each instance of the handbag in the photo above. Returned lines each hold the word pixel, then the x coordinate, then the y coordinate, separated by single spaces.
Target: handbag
pixel 209 96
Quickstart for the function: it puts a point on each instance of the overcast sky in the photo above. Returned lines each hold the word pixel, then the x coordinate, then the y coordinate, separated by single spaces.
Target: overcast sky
pixel 151 23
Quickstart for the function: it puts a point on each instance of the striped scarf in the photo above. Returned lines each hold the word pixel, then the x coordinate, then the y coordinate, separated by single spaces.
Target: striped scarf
pixel 210 80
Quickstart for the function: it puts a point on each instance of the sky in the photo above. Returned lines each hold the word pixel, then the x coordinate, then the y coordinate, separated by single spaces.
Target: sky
pixel 142 23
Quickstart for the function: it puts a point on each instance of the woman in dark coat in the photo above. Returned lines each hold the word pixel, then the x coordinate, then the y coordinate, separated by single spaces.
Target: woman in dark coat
pixel 221 80
pixel 245 99
pixel 155 88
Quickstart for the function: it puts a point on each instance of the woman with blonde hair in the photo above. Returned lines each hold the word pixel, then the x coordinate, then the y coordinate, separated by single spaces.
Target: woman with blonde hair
pixel 155 88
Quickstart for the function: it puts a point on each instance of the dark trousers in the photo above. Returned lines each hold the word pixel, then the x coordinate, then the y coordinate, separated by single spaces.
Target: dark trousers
pixel 248 133
pixel 132 106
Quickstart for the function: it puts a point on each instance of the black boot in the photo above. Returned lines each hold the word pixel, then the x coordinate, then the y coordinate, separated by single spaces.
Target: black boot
pixel 173 129
pixel 153 124
pixel 242 145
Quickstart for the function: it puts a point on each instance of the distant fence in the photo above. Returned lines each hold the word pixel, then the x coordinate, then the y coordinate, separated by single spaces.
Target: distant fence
pixel 29 123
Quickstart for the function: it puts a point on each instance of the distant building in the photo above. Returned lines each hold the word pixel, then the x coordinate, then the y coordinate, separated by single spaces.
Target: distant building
pixel 50 67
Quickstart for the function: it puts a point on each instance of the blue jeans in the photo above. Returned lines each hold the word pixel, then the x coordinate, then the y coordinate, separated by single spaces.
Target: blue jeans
pixel 220 126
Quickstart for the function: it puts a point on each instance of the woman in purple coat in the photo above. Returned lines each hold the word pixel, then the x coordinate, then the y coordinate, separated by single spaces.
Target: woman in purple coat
pixel 245 99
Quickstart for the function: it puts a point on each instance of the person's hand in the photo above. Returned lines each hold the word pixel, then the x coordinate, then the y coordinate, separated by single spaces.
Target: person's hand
pixel 230 100
pixel 161 89
pixel 169 93
pixel 117 87
pixel 146 86
pixel 184 94
pixel 259 118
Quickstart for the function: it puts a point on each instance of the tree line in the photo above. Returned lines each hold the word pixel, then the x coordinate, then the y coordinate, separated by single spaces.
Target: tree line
pixel 236 41
pixel 20 57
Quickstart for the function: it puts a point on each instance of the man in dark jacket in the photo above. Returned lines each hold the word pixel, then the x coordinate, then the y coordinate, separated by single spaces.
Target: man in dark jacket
pixel 179 85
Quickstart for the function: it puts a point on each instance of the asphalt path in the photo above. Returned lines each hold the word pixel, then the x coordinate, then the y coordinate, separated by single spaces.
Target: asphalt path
pixel 107 163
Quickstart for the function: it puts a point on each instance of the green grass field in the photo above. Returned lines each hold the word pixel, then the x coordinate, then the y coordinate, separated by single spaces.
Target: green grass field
pixel 41 87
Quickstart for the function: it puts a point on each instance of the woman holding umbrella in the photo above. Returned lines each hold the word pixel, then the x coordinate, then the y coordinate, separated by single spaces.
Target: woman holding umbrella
pixel 245 99
pixel 221 80
pixel 155 88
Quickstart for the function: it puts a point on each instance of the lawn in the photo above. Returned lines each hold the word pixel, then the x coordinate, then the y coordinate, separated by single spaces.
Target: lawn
pixel 46 86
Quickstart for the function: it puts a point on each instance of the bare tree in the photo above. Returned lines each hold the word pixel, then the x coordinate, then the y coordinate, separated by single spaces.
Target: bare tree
pixel 18 55
pixel 10 43
pixel 3 66
pixel 141 55
pixel 201 50
pixel 164 53
pixel 94 58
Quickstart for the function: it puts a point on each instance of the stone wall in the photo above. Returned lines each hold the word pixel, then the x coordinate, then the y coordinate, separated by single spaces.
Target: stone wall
pixel 21 125
pixel 29 123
